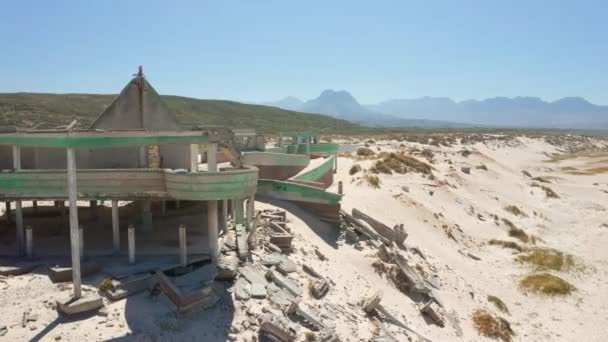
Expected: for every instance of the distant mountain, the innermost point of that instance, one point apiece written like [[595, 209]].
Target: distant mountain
[[342, 105], [288, 103], [569, 112]]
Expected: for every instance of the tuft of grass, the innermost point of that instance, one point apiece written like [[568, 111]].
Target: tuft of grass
[[365, 152], [310, 336], [493, 327], [546, 284], [482, 167], [106, 285], [506, 244], [526, 173], [372, 180], [381, 167], [500, 305], [548, 191], [354, 169], [544, 259], [515, 232], [515, 210], [541, 179]]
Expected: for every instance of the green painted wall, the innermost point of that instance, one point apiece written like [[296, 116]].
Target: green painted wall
[[316, 173], [295, 192]]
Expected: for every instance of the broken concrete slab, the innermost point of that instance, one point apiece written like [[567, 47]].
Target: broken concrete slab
[[363, 228], [258, 291], [432, 310], [286, 266], [242, 289], [18, 268], [282, 298], [370, 303], [272, 329], [284, 283], [320, 288], [73, 306], [227, 266], [182, 300], [393, 235], [282, 240], [59, 274], [308, 269], [253, 274], [130, 286], [271, 259]]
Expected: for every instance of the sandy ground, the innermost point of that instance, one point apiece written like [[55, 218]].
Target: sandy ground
[[454, 202]]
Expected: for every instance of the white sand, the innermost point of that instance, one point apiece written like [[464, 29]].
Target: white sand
[[571, 224]]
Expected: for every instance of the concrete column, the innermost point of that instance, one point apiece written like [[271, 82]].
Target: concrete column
[[146, 215], [143, 157], [308, 146], [28, 242], [131, 238], [233, 209], [249, 211], [212, 157], [81, 241], [35, 205], [194, 158], [340, 188], [163, 207], [280, 143], [18, 210], [93, 209], [183, 252], [19, 225], [7, 211], [212, 228], [239, 216], [336, 162], [224, 215], [74, 236], [115, 227]]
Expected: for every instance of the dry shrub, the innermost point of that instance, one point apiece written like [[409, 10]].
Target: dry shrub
[[541, 179], [365, 152], [354, 169], [546, 284], [400, 163], [548, 191], [506, 244], [515, 210], [372, 180], [428, 154], [310, 336], [548, 259], [493, 327], [526, 173], [106, 285], [465, 153], [482, 167], [500, 305]]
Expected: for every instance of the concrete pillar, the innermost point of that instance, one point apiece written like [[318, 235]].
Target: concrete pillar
[[224, 215], [212, 157], [115, 227], [308, 146], [212, 228], [340, 188], [143, 157], [19, 225], [146, 215], [163, 207], [131, 238], [183, 252], [81, 241], [194, 158], [177, 205], [93, 209], [239, 216], [249, 211], [28, 242], [335, 161], [7, 211], [74, 236], [18, 210]]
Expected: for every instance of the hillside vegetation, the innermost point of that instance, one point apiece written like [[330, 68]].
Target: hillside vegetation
[[30, 109]]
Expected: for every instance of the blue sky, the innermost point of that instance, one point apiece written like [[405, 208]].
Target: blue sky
[[264, 50]]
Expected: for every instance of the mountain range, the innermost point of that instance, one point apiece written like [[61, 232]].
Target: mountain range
[[518, 112]]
